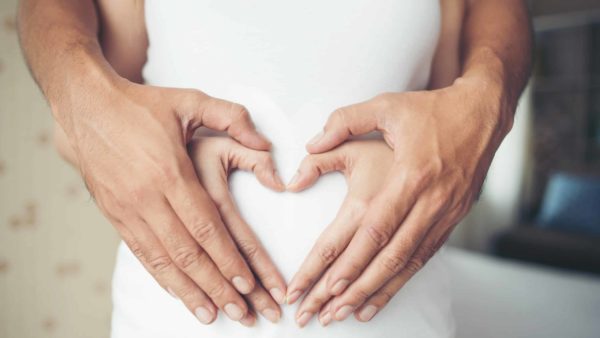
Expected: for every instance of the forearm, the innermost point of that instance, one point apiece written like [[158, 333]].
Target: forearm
[[60, 41], [496, 51], [63, 146]]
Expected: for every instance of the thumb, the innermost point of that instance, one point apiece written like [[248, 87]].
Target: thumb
[[315, 165], [357, 119], [204, 110], [259, 162]]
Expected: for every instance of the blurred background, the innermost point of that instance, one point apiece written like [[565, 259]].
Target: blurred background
[[525, 262]]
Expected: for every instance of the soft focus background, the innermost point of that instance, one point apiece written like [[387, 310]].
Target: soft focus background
[[526, 261]]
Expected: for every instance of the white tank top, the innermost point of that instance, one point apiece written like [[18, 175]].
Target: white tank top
[[291, 63]]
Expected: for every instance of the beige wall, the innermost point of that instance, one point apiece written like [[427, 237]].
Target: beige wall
[[56, 250]]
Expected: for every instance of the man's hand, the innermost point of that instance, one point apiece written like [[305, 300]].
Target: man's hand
[[443, 144], [130, 145], [214, 158]]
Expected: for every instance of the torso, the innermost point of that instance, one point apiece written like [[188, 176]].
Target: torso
[[290, 64]]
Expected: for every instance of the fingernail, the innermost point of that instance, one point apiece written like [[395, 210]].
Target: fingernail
[[233, 311], [340, 286], [204, 315], [241, 284], [170, 291], [294, 179], [304, 318], [325, 319], [271, 315], [248, 321], [343, 312], [367, 313], [316, 138], [278, 295], [293, 297]]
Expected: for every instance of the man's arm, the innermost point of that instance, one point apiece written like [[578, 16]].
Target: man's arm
[[444, 141], [129, 142]]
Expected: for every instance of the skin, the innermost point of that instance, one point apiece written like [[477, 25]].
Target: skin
[[443, 142], [129, 142], [479, 71]]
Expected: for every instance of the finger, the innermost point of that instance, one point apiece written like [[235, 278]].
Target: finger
[[314, 301], [247, 242], [259, 162], [396, 256], [329, 245], [261, 302], [146, 247], [381, 221], [428, 248], [325, 315], [255, 253], [249, 320], [194, 207], [217, 114], [313, 166], [190, 258], [356, 119]]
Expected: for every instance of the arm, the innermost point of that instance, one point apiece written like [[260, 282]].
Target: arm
[[129, 142], [444, 141]]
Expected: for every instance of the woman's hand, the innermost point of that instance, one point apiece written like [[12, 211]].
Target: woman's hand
[[214, 158], [443, 142], [365, 164]]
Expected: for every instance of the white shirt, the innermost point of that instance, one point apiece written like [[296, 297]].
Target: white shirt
[[291, 63]]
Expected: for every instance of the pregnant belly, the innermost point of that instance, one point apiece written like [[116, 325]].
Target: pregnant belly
[[288, 224]]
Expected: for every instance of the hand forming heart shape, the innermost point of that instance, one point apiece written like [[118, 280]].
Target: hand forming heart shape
[[288, 224]]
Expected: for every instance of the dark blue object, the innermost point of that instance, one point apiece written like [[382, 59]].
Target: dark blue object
[[571, 203]]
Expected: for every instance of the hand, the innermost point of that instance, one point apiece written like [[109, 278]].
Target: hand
[[443, 144], [129, 142], [214, 158], [365, 165]]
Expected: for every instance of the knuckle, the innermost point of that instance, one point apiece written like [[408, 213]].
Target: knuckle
[[249, 248], [379, 235], [186, 257], [429, 249], [328, 253], [358, 207], [340, 116], [394, 262], [167, 174], [414, 265], [137, 251], [384, 100], [186, 293], [240, 112], [137, 193], [386, 295], [264, 159], [216, 290], [159, 264], [203, 230], [360, 295]]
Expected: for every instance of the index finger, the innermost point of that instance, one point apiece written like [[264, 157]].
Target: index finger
[[356, 119], [222, 115], [196, 210]]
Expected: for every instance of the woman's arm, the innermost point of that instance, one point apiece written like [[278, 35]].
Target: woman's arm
[[445, 67]]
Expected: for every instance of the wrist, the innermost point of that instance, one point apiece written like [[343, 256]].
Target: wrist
[[84, 75], [485, 81]]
